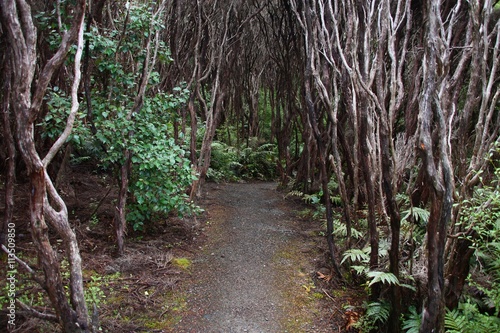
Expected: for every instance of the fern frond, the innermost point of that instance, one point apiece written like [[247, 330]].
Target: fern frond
[[355, 255], [266, 147], [360, 270], [294, 193], [340, 229], [384, 277], [378, 312], [412, 323], [312, 198], [418, 214], [455, 322]]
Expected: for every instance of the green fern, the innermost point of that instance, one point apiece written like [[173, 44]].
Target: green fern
[[356, 255], [360, 270], [340, 229], [383, 277], [313, 199], [419, 214], [455, 322], [294, 193], [376, 313], [411, 324]]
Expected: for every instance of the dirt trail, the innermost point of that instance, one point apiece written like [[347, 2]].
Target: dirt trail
[[251, 275]]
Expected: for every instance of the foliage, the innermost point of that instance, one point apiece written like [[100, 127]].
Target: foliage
[[362, 258], [161, 171], [418, 214], [376, 314], [251, 162], [412, 321], [468, 319], [224, 162], [357, 255], [383, 277], [93, 292], [340, 230], [54, 123], [482, 214], [258, 162]]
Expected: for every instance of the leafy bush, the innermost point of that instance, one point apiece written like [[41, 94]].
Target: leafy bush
[[224, 163], [482, 213], [161, 172], [54, 123], [259, 162]]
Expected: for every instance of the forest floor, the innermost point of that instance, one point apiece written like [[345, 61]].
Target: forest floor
[[249, 263]]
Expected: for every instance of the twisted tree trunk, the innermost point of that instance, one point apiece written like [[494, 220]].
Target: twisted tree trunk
[[46, 206]]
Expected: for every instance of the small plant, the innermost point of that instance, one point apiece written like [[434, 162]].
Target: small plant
[[362, 258], [468, 319], [376, 314], [412, 321], [94, 293]]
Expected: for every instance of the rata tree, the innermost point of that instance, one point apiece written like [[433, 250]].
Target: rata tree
[[48, 212]]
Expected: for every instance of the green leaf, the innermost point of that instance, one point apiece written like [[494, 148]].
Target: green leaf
[[355, 255], [383, 277]]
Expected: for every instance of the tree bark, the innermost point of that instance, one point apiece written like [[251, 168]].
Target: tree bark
[[21, 34], [437, 165], [10, 175]]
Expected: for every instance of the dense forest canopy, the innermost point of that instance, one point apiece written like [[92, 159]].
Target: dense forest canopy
[[385, 114]]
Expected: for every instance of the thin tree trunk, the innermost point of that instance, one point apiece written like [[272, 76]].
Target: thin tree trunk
[[120, 219], [436, 162], [312, 119], [366, 165], [21, 35], [10, 175], [394, 321]]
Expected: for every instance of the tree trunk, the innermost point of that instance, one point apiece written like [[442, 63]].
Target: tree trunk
[[21, 34], [366, 164], [458, 273], [10, 175], [313, 123], [437, 165], [394, 321], [120, 218]]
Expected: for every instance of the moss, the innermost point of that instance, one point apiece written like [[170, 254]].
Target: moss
[[182, 263], [318, 295], [299, 293]]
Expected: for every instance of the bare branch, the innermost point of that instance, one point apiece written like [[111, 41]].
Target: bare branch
[[26, 267], [31, 312], [74, 98]]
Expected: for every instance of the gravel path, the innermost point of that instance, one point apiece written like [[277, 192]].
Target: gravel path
[[238, 278]]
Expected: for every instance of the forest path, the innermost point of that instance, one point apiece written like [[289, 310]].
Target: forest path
[[252, 274]]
